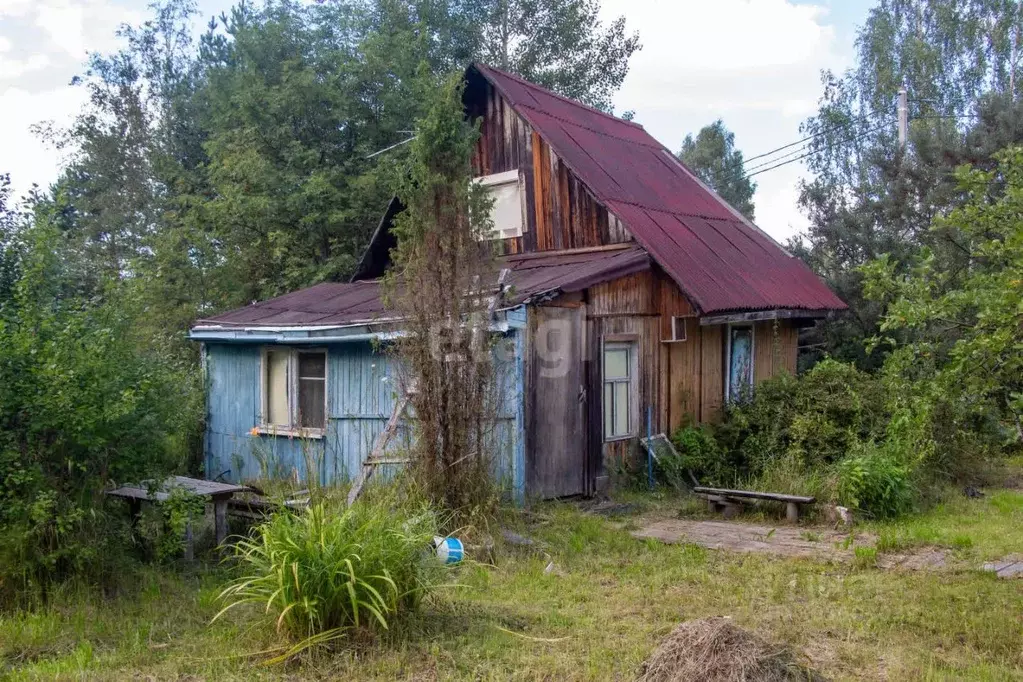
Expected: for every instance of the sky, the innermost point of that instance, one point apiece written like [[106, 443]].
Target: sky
[[753, 63]]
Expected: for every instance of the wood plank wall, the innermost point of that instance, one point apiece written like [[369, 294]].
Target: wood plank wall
[[693, 371], [628, 307], [559, 211]]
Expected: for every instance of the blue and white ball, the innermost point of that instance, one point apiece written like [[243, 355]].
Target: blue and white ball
[[449, 550]]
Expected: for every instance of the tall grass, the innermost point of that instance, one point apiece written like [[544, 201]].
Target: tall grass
[[320, 572]]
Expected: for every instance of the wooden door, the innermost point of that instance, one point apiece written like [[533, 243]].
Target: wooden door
[[559, 465]]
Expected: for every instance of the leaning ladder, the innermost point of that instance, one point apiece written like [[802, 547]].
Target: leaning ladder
[[376, 455]]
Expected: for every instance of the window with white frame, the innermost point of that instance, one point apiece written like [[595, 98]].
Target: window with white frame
[[506, 191], [293, 390], [619, 375], [739, 356]]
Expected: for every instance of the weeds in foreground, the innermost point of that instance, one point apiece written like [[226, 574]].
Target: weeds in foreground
[[329, 569]]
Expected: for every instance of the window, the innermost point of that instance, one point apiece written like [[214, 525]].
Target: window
[[294, 391], [739, 354], [678, 328], [507, 194], [618, 388]]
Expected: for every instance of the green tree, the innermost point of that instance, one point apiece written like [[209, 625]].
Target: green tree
[[560, 44], [8, 239], [442, 263], [959, 63], [958, 333], [86, 399], [713, 157]]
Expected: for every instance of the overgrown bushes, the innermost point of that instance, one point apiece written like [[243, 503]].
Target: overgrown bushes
[[320, 573], [870, 441], [84, 401]]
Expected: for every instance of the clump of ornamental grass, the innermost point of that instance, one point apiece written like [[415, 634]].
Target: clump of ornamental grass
[[320, 573]]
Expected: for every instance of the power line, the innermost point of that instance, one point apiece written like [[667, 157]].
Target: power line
[[798, 154], [813, 151], [805, 139]]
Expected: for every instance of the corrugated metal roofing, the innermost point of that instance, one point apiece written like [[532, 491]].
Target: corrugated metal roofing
[[722, 262], [530, 275]]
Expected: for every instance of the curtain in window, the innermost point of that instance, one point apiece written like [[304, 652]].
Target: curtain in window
[[740, 363], [277, 389]]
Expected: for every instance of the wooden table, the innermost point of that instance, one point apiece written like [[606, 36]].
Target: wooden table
[[218, 493]]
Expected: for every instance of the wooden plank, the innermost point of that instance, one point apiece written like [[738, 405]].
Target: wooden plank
[[763, 315], [753, 494], [378, 447], [712, 379], [196, 486], [559, 419]]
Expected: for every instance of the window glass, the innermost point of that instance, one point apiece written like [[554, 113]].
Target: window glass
[[277, 388], [621, 409], [618, 390], [312, 368], [740, 363], [616, 363]]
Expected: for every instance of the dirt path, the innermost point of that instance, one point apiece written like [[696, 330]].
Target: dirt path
[[786, 541]]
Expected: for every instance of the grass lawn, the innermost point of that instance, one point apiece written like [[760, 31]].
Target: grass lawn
[[597, 616]]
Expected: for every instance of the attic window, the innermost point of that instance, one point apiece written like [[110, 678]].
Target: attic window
[[678, 328], [506, 190]]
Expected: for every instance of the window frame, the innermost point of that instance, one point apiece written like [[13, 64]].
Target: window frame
[[631, 345], [728, 356], [292, 429], [500, 180], [676, 320]]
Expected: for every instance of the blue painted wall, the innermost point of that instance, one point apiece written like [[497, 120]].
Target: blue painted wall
[[360, 399]]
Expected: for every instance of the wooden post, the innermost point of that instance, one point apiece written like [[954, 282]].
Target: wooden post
[[220, 519], [792, 512], [189, 543]]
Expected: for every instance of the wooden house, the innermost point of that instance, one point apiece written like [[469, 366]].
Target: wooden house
[[638, 298]]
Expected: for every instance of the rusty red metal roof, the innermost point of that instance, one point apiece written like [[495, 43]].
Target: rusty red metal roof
[[530, 277], [720, 260]]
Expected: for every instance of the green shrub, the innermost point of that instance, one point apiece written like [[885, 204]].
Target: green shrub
[[698, 455], [320, 572], [86, 399], [815, 419], [874, 481]]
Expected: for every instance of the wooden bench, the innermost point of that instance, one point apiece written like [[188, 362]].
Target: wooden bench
[[729, 501]]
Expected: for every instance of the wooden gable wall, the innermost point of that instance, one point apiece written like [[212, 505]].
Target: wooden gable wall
[[559, 211]]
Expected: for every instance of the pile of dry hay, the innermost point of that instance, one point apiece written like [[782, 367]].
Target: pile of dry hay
[[715, 650]]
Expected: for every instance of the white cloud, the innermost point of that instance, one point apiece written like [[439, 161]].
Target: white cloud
[[74, 27], [27, 158], [753, 63], [15, 68]]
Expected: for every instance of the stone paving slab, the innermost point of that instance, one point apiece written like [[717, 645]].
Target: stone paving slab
[[748, 537], [786, 541], [1007, 567]]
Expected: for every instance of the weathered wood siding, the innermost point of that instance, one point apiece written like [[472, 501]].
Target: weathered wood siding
[[556, 462], [559, 211], [360, 400], [693, 371], [627, 309]]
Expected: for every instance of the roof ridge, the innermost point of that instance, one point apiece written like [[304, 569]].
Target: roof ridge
[[563, 98]]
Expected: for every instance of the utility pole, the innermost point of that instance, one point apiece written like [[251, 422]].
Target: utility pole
[[903, 112]]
